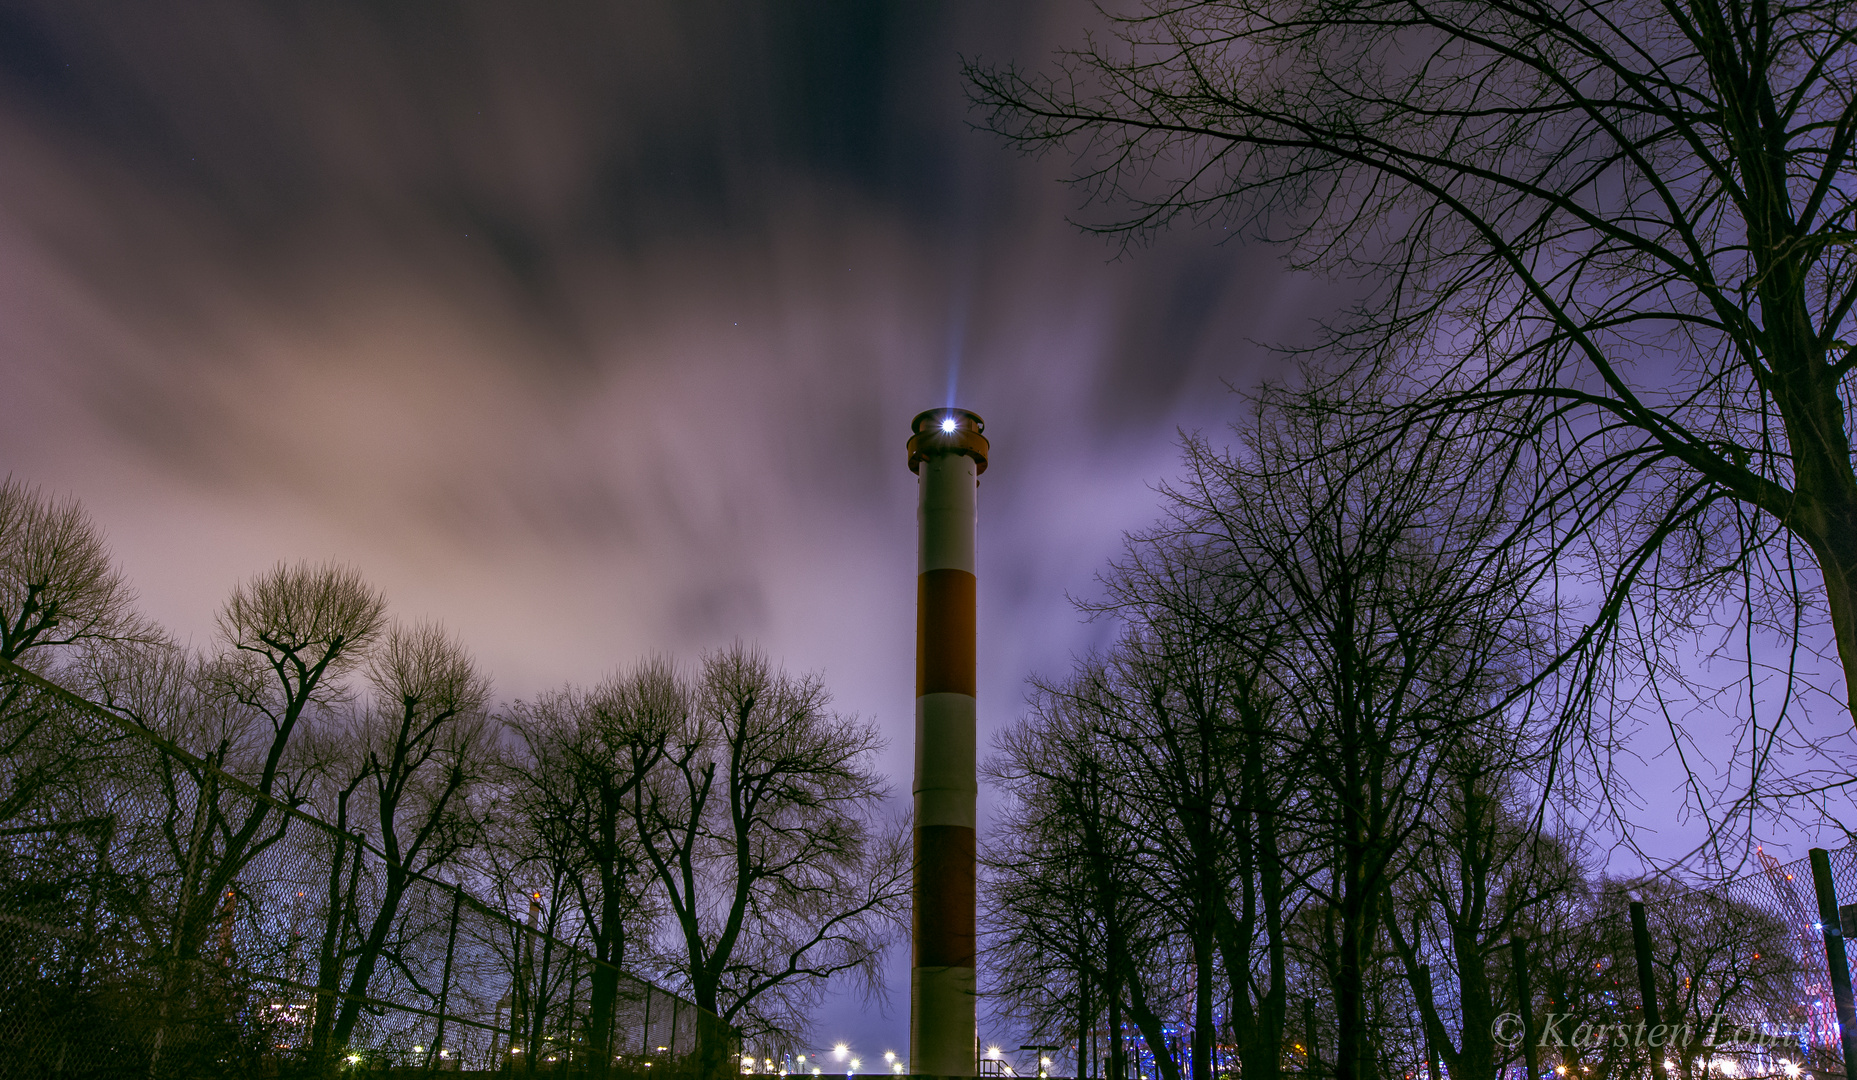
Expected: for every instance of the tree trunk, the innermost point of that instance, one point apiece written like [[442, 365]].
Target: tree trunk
[[369, 955], [609, 951], [1202, 1004], [1118, 1061], [329, 951], [1149, 1025], [1262, 1053], [1837, 561], [1354, 1058], [1478, 1054]]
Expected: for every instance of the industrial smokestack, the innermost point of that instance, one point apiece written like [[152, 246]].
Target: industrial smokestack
[[947, 452]]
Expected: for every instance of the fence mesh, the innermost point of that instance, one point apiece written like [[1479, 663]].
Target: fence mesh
[[1748, 959], [161, 918]]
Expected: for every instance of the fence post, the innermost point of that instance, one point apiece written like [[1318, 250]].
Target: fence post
[[644, 1038], [444, 982], [1835, 959], [1647, 980], [1518, 947], [1312, 1060], [573, 991]]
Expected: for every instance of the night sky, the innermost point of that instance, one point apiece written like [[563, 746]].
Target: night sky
[[593, 330]]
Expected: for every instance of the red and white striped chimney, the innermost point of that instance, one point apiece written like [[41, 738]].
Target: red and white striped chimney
[[947, 452]]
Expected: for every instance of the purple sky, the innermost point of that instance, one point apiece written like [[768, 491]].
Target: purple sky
[[592, 330]]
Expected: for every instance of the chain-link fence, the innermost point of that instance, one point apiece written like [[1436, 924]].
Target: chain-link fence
[[1736, 974], [161, 918], [1745, 964]]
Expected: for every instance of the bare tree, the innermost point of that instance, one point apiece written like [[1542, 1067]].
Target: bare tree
[[338, 770], [1483, 872], [1386, 623], [760, 827], [1077, 921], [532, 861], [1209, 738], [588, 751], [57, 584], [425, 744], [290, 633], [1321, 628], [58, 589], [1628, 227]]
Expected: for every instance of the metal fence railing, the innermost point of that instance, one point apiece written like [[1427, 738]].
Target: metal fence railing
[[161, 918], [1764, 935]]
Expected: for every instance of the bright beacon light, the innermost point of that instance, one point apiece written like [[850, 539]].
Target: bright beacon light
[[948, 424]]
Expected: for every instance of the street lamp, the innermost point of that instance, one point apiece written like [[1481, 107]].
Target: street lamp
[[1044, 1060]]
